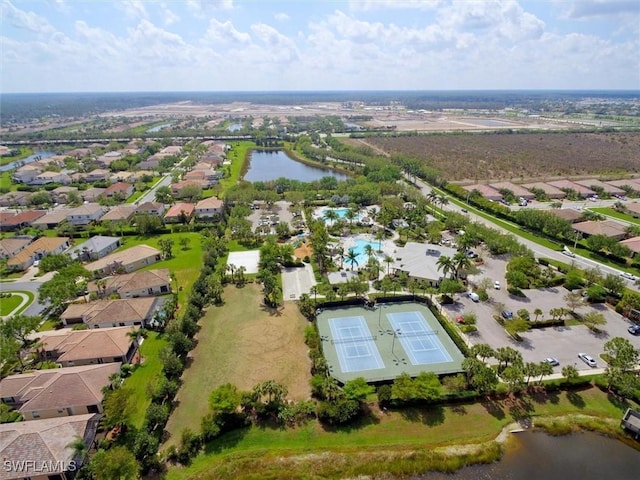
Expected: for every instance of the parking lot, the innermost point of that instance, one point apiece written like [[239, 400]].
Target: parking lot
[[563, 343], [266, 219]]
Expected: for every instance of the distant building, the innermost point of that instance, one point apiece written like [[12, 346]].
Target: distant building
[[126, 312], [419, 261], [551, 192], [486, 191], [125, 261], [566, 185]]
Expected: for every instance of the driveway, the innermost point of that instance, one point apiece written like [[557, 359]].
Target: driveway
[[296, 281]]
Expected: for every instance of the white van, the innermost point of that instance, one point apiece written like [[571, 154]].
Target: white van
[[474, 296]]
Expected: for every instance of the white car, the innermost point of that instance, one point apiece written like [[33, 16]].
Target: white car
[[496, 285], [569, 253], [628, 276], [588, 359]]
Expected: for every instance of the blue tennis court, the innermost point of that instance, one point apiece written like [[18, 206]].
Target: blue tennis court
[[354, 344], [419, 341]]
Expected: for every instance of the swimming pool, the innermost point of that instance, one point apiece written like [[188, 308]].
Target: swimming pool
[[359, 248], [341, 211]]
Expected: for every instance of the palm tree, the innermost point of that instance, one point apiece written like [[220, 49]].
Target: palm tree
[[432, 198], [460, 262], [445, 264], [331, 215], [443, 200], [352, 257], [379, 237], [314, 291], [537, 312], [79, 449], [368, 249], [388, 260]]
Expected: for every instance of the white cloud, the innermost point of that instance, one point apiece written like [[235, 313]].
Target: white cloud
[[584, 9], [278, 46], [365, 5], [282, 17], [169, 17], [224, 33], [200, 7], [25, 20], [133, 9]]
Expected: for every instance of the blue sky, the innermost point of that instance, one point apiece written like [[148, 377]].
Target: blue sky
[[262, 45]]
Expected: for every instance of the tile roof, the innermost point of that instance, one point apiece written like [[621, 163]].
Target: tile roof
[[27, 216], [121, 212], [179, 208], [9, 245], [112, 311], [59, 387], [43, 443], [632, 243], [78, 345], [211, 202], [123, 257], [608, 228], [43, 244], [135, 281]]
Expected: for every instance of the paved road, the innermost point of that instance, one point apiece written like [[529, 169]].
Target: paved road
[[537, 249], [29, 282]]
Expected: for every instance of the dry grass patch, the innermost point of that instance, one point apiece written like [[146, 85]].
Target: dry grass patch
[[243, 343]]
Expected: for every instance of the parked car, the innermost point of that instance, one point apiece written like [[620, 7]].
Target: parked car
[[496, 285], [628, 276], [634, 329], [474, 296], [552, 361], [588, 359], [464, 210], [507, 315]]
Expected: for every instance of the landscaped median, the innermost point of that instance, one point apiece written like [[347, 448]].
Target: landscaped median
[[15, 302], [406, 442]]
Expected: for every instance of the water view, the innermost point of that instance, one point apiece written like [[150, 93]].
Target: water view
[[268, 165], [31, 158], [538, 456]]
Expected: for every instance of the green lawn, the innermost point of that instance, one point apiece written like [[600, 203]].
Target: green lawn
[[387, 438], [237, 156], [24, 153], [610, 212], [145, 376], [8, 304], [511, 227], [5, 182], [185, 264]]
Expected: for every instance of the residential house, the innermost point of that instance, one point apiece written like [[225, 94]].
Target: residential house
[[107, 159], [121, 212], [150, 163], [144, 283], [61, 194], [552, 193], [94, 248], [92, 194], [79, 153], [35, 251], [606, 188], [15, 199], [567, 185], [139, 176], [209, 208], [633, 209], [21, 220], [71, 348], [47, 177], [180, 213], [568, 214], [13, 245], [151, 208], [41, 447], [119, 190], [632, 244], [97, 175], [420, 261], [176, 188], [27, 173], [607, 228], [485, 190], [125, 261], [629, 183], [122, 176], [125, 312], [52, 219], [58, 392], [170, 150], [517, 190], [85, 214]]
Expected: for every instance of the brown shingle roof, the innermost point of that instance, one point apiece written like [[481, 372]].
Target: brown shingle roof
[[135, 281], [60, 387], [123, 257], [27, 216], [43, 443], [608, 228], [112, 311], [180, 208], [43, 244], [79, 345]]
